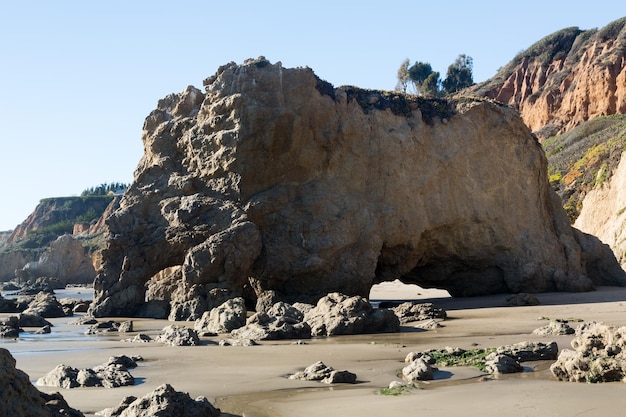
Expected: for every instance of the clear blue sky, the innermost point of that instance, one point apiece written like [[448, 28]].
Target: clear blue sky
[[77, 78]]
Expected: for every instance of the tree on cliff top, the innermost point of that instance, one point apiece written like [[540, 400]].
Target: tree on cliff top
[[426, 82]]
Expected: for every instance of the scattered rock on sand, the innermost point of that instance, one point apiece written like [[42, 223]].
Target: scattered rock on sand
[[9, 328], [281, 321], [554, 328], [530, 351], [320, 372], [338, 314], [419, 370], [19, 398], [45, 305], [175, 335], [139, 338], [599, 355], [412, 311], [498, 363], [32, 320], [7, 305], [225, 318], [109, 326], [164, 401], [522, 299], [111, 374]]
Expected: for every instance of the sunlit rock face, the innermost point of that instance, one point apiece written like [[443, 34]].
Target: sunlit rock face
[[272, 179]]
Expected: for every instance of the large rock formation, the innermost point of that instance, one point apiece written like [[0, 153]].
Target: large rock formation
[[565, 79], [274, 180]]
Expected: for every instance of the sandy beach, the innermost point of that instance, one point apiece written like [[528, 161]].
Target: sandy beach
[[252, 381]]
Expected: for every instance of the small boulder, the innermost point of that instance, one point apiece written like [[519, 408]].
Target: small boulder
[[554, 328], [164, 401], [496, 363], [418, 370], [412, 311], [326, 374], [522, 299], [175, 335], [225, 318], [45, 305]]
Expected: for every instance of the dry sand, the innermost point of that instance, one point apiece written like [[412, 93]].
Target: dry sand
[[252, 381]]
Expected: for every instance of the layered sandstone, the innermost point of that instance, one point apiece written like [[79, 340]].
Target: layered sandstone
[[565, 79], [274, 180]]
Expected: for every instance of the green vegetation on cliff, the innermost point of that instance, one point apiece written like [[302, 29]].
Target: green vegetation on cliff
[[584, 158], [57, 216]]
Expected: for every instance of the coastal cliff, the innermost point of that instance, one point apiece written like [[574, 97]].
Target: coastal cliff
[[272, 179], [565, 79]]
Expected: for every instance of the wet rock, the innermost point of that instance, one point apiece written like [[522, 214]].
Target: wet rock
[[109, 326], [497, 363], [412, 311], [19, 398], [237, 342], [412, 356], [164, 401], [175, 335], [530, 351]]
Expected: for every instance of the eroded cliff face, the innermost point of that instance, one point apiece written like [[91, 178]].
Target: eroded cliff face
[[565, 79], [604, 212], [274, 180]]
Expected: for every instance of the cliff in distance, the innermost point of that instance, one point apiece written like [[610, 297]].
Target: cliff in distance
[[565, 79], [273, 179]]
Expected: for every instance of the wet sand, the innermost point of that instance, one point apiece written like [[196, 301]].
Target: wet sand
[[252, 381]]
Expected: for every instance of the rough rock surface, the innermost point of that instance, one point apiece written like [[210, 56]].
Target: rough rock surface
[[566, 78], [111, 374], [45, 305], [412, 311], [175, 335], [326, 374], [225, 318], [554, 328], [339, 314], [274, 180], [419, 369], [281, 321], [598, 355], [164, 401], [65, 259], [19, 398]]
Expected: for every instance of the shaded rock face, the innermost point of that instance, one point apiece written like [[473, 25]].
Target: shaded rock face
[[20, 398], [274, 180], [565, 79]]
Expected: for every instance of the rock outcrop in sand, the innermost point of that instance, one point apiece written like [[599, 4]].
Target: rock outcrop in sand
[[274, 180], [565, 79]]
